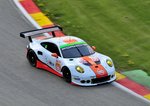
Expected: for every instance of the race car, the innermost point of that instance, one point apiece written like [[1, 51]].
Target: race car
[[69, 57]]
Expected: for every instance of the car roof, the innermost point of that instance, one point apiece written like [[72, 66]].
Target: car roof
[[61, 41]]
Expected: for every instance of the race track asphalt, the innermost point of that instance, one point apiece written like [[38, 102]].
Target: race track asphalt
[[23, 85]]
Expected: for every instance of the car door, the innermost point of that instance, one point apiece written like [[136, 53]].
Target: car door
[[53, 62]]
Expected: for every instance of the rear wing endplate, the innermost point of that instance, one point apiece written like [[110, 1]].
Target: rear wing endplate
[[40, 31]]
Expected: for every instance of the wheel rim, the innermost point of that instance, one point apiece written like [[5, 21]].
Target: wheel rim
[[67, 76], [32, 59]]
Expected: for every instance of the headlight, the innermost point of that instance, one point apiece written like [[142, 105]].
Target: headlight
[[79, 69], [109, 62]]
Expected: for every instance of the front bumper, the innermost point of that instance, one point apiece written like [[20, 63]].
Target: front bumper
[[91, 81]]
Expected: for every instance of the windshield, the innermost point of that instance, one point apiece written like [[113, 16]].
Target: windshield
[[77, 51]]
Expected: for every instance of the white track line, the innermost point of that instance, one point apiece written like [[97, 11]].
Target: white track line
[[39, 27], [25, 13]]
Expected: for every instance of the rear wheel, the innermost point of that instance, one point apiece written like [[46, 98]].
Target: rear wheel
[[31, 56], [67, 75]]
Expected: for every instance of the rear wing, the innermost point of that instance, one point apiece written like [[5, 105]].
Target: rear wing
[[40, 31]]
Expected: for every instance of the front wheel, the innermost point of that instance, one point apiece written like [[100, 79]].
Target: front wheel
[[31, 56], [67, 75]]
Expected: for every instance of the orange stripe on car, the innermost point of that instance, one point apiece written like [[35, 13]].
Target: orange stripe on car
[[99, 70]]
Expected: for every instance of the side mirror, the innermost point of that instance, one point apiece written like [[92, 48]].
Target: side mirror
[[55, 55], [93, 47]]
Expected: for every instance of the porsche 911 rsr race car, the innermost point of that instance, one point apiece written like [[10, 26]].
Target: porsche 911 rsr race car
[[68, 57]]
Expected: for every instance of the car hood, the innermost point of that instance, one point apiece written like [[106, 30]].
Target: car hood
[[91, 63], [84, 61]]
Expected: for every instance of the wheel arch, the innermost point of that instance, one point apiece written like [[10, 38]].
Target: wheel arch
[[64, 68], [30, 53], [28, 50], [66, 74]]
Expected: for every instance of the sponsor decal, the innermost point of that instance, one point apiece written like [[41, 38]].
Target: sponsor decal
[[95, 59], [58, 65], [76, 78], [100, 72], [69, 40], [48, 61], [51, 63], [72, 44]]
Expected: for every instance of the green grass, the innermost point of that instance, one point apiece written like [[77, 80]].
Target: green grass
[[118, 28]]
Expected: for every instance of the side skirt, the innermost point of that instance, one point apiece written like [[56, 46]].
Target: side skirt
[[42, 65]]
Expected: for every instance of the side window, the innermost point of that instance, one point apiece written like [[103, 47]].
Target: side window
[[51, 47]]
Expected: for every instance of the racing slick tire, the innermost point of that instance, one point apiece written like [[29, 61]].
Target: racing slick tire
[[67, 75], [32, 58]]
